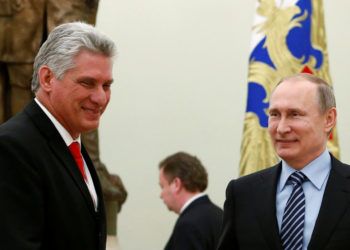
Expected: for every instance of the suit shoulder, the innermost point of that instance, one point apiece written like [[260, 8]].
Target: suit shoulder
[[254, 177], [200, 214], [340, 167], [17, 125], [18, 131], [201, 211]]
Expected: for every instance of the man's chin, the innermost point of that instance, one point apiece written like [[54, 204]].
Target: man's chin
[[90, 126], [285, 154], [170, 209], [92, 117]]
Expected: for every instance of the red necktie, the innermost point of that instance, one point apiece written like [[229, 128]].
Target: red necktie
[[75, 151]]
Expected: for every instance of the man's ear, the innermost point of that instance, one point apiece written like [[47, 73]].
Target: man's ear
[[330, 119], [177, 184], [45, 78]]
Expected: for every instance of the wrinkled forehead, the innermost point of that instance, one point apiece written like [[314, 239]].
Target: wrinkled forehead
[[295, 83], [294, 93], [294, 87]]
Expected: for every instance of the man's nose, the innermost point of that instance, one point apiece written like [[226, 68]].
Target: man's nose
[[100, 96], [283, 126]]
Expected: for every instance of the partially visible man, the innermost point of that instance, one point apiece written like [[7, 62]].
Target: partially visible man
[[52, 198], [303, 201], [24, 25], [183, 179]]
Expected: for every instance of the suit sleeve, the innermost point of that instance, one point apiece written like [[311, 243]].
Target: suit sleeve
[[21, 208], [228, 239]]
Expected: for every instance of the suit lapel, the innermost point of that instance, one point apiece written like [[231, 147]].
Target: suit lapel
[[266, 206], [334, 204], [58, 148], [62, 153]]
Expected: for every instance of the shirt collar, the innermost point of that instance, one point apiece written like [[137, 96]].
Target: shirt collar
[[189, 201], [316, 171], [61, 130]]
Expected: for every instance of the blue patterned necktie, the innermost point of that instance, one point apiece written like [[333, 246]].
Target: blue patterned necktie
[[294, 213]]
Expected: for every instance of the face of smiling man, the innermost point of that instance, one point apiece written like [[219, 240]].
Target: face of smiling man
[[78, 100], [298, 129]]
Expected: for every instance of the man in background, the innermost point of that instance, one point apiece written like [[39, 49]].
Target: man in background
[[303, 201], [183, 180], [52, 198]]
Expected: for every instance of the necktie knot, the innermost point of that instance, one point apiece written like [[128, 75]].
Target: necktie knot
[[74, 148], [297, 178]]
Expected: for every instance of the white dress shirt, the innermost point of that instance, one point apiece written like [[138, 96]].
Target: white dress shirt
[[189, 201], [317, 173], [68, 140]]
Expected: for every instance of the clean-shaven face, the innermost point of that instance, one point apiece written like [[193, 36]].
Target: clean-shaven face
[[81, 96], [296, 125]]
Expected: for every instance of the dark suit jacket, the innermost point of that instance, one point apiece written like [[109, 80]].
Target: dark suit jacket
[[45, 203], [250, 212], [198, 227]]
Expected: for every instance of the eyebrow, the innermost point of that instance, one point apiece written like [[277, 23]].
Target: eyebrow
[[288, 110], [92, 79], [110, 81]]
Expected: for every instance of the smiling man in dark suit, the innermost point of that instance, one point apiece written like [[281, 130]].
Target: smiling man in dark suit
[[51, 196], [303, 201], [183, 179]]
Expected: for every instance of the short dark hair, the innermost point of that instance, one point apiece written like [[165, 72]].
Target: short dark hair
[[187, 168]]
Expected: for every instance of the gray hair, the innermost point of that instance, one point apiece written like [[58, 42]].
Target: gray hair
[[64, 43], [325, 94]]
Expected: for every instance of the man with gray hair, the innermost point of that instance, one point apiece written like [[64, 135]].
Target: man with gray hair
[[51, 196]]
